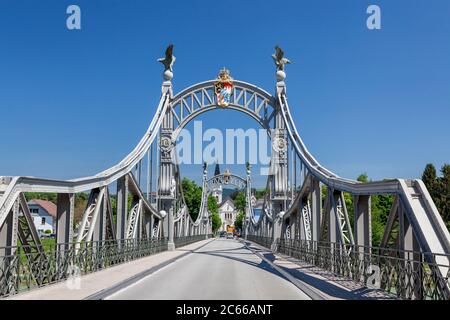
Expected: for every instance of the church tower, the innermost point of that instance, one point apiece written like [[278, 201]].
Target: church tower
[[217, 189]]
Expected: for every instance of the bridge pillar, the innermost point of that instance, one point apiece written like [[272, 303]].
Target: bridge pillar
[[332, 217], [316, 209], [147, 224], [100, 225], [122, 207], [170, 233], [8, 244], [300, 232], [279, 171], [64, 220], [412, 259], [8, 232], [363, 230], [277, 223], [167, 182]]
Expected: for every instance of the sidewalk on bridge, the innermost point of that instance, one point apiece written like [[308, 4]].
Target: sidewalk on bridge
[[325, 283], [101, 280]]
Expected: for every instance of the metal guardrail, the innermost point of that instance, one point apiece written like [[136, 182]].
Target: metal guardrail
[[263, 241], [184, 241], [21, 271], [402, 273]]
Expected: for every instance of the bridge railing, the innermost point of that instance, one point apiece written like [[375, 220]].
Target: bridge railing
[[263, 241], [184, 241], [22, 269], [402, 273]]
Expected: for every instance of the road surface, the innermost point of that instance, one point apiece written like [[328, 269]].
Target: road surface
[[221, 270]]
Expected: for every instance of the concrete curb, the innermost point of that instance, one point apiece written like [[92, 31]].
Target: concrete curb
[[311, 292], [102, 294]]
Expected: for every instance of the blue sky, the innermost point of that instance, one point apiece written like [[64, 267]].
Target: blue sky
[[73, 103]]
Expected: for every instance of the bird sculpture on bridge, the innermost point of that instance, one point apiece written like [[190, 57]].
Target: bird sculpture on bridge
[[279, 59], [169, 59]]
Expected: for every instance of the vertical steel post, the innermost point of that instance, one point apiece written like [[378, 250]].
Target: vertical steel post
[[64, 219], [363, 230], [122, 207], [316, 209]]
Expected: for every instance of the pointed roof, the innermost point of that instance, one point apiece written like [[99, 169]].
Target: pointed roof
[[227, 199], [217, 169]]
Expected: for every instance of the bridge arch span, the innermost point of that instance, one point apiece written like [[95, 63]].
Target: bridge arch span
[[200, 98]]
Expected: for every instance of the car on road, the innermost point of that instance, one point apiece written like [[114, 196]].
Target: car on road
[[230, 235], [222, 234]]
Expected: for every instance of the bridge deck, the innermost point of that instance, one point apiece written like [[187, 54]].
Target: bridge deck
[[210, 269], [223, 269], [93, 283]]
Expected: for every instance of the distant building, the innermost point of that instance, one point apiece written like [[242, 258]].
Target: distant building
[[44, 215], [227, 207], [227, 212], [217, 188]]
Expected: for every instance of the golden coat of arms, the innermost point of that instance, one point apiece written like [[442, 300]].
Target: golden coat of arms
[[223, 88]]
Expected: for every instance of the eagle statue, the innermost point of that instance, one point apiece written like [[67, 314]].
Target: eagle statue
[[279, 59], [169, 59]]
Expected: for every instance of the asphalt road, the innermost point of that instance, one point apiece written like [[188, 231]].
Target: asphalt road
[[221, 270]]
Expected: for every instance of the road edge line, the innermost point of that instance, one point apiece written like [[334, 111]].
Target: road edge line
[[102, 294]]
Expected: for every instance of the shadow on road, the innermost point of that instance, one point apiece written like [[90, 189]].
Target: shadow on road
[[324, 285]]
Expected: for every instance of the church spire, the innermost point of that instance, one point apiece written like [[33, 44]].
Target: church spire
[[217, 169]]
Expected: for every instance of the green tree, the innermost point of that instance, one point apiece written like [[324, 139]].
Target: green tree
[[431, 181], [443, 194], [439, 188], [363, 177], [380, 207], [192, 196], [213, 209], [260, 193], [240, 201], [239, 220], [41, 196]]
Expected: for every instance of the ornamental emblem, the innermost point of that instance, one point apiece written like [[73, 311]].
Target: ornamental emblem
[[223, 88], [165, 144], [226, 176], [279, 145]]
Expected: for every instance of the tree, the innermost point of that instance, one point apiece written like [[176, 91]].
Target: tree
[[216, 222], [439, 188], [51, 196], [431, 181], [213, 209], [239, 220], [193, 197], [363, 177], [380, 207], [443, 194], [240, 202], [260, 193]]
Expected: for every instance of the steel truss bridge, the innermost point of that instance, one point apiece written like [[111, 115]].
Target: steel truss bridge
[[304, 212]]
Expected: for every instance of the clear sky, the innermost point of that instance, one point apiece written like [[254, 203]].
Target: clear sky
[[73, 103]]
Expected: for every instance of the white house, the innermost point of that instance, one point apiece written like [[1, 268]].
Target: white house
[[227, 212], [227, 208], [44, 215]]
